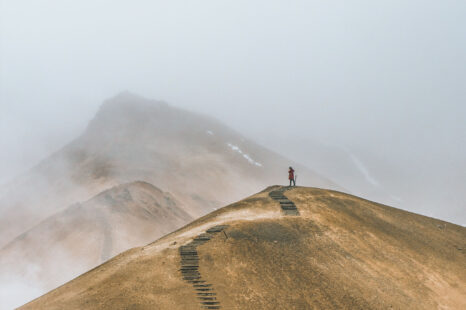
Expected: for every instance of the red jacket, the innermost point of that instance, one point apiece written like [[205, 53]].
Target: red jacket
[[291, 174]]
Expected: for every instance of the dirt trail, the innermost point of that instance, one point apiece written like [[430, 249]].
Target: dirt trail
[[190, 258], [288, 207], [190, 268]]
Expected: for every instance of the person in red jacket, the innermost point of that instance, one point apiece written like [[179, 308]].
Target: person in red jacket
[[291, 176]]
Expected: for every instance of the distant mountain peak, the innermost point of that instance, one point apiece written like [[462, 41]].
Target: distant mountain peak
[[127, 101], [126, 108], [131, 115]]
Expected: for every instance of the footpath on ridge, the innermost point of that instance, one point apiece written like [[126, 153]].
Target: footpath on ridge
[[288, 207], [190, 257], [190, 268]]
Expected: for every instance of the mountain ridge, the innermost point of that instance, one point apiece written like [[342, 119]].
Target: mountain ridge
[[196, 158], [86, 234], [200, 162]]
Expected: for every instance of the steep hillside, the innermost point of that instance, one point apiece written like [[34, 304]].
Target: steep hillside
[[87, 234], [203, 163], [303, 248]]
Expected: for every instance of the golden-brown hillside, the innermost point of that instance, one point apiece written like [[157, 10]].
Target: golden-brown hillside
[[336, 251]]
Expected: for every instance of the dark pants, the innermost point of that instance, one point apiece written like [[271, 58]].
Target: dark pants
[[294, 183]]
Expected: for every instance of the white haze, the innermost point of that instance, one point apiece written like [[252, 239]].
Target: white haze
[[380, 82], [14, 292], [386, 77]]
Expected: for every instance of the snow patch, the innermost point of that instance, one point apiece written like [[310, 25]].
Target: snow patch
[[246, 156], [209, 132]]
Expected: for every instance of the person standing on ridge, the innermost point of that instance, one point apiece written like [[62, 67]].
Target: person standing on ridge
[[291, 176]]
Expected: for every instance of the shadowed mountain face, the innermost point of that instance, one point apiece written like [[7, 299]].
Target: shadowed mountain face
[[197, 159], [85, 235], [336, 252]]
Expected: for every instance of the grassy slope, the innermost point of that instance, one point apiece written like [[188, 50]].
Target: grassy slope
[[342, 252]]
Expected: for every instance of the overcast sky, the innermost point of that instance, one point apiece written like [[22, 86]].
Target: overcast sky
[[386, 77]]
